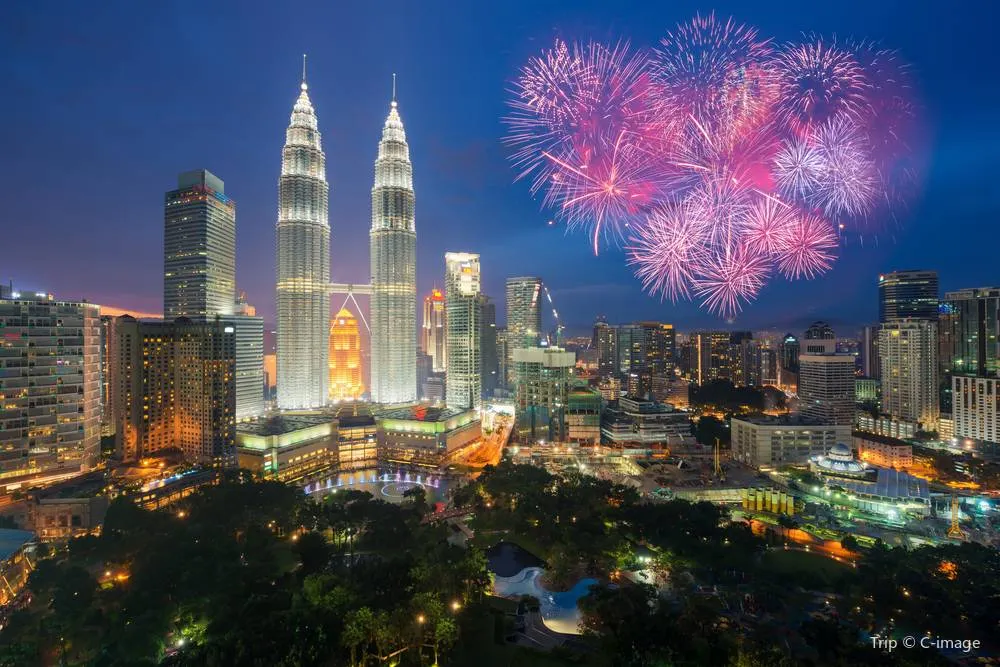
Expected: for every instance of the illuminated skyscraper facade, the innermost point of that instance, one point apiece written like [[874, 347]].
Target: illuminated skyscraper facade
[[432, 333], [345, 357], [50, 386], [303, 262], [175, 388], [394, 269], [199, 248], [463, 382], [524, 316]]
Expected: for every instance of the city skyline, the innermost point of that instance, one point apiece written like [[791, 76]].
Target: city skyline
[[460, 162]]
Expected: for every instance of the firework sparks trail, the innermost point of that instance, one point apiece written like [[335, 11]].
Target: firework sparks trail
[[667, 251], [810, 249], [729, 159]]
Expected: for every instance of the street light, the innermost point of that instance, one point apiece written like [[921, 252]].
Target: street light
[[456, 605], [420, 619]]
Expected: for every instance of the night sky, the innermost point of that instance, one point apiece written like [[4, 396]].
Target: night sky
[[103, 103]]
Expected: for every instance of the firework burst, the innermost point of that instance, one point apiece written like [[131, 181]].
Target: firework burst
[[667, 250], [728, 281], [766, 225], [810, 248], [798, 167], [727, 158], [817, 81], [848, 181]]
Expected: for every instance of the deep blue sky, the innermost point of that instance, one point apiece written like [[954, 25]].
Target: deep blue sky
[[102, 103]]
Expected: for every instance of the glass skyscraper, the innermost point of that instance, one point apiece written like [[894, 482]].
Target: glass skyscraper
[[463, 381], [524, 316], [394, 269], [908, 294], [199, 248], [303, 263]]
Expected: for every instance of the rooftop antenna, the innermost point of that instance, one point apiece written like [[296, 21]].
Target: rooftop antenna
[[304, 72], [393, 89]]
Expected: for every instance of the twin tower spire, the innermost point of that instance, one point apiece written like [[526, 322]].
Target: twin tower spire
[[303, 275]]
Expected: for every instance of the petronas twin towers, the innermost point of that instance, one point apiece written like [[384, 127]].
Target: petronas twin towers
[[304, 265]]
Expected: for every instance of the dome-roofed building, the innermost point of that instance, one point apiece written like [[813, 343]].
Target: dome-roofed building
[[839, 461]]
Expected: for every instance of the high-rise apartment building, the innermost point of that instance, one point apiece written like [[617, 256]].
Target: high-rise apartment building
[[976, 407], [826, 388], [488, 345], [303, 233], [394, 268], [908, 350], [543, 376], [199, 248], [524, 316], [463, 381], [908, 294], [605, 341], [345, 357], [432, 333], [50, 386], [175, 388]]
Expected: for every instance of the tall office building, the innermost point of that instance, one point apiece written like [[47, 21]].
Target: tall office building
[[712, 356], [303, 262], [249, 341], [503, 370], [908, 294], [605, 341], [488, 345], [870, 365], [394, 268], [970, 332], [630, 347], [199, 248], [345, 357], [432, 333], [50, 386], [542, 383], [908, 350], [820, 339], [826, 388], [524, 316], [175, 389], [463, 381]]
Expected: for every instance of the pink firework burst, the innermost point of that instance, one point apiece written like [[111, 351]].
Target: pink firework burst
[[848, 182], [810, 250], [719, 203], [667, 250], [818, 80], [731, 279], [798, 167], [604, 189], [766, 225], [729, 160], [699, 60]]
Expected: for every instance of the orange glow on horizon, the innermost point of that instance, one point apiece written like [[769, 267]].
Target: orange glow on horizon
[[113, 311]]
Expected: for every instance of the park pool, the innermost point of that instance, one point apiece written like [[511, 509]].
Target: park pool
[[559, 610]]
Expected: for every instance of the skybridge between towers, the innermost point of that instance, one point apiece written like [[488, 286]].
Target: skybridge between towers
[[350, 289]]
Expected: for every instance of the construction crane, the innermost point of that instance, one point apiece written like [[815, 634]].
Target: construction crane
[[555, 315]]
